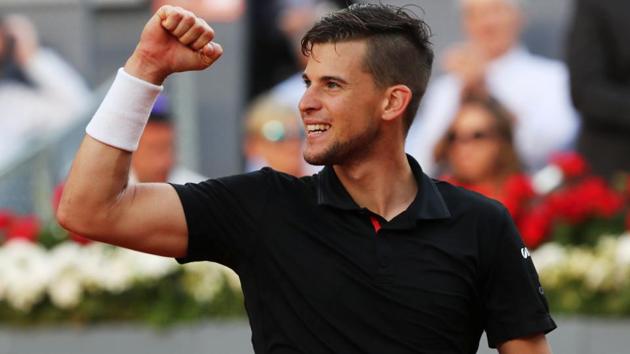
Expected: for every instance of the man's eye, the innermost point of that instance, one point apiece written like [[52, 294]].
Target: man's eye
[[332, 85]]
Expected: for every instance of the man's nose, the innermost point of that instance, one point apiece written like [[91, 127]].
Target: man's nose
[[310, 101]]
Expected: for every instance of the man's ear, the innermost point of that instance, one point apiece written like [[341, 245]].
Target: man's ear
[[396, 101]]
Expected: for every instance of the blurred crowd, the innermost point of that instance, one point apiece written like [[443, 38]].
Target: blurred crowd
[[498, 118], [494, 113], [39, 92], [549, 139]]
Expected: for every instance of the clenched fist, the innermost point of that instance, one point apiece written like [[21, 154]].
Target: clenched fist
[[174, 40]]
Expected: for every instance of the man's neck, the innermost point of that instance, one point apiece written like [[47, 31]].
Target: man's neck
[[384, 184]]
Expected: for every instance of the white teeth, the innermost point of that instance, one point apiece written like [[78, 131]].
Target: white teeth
[[317, 127]]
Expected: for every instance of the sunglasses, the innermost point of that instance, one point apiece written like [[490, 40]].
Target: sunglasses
[[275, 131], [476, 136]]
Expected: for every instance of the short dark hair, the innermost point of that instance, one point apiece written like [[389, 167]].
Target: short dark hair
[[398, 46]]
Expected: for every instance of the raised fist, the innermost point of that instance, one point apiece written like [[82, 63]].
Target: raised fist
[[467, 62], [174, 40]]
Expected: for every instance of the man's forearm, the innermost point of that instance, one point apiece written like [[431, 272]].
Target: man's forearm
[[97, 201], [100, 171], [98, 177]]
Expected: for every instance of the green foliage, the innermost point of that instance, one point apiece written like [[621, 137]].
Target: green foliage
[[589, 231]]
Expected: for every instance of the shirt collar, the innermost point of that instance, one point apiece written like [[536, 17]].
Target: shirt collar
[[428, 204]]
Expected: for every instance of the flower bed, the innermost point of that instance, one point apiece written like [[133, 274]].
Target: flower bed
[[587, 280], [96, 283], [48, 276], [569, 205]]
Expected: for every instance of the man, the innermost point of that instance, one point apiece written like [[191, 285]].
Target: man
[[368, 256], [493, 60], [599, 62]]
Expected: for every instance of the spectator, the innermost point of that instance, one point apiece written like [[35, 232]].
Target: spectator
[[493, 60], [155, 160], [478, 153], [273, 137], [39, 92], [599, 63]]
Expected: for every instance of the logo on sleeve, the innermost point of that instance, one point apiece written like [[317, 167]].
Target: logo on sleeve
[[525, 252]]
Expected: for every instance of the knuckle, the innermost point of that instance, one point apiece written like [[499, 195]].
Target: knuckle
[[207, 36], [189, 21], [177, 16], [197, 28]]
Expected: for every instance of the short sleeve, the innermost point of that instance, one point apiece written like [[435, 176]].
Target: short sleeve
[[513, 299], [222, 216]]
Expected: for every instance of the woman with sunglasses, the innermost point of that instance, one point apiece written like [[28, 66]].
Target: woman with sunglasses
[[478, 153]]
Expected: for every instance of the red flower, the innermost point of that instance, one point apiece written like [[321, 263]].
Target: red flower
[[517, 192], [571, 164], [6, 218], [25, 228], [535, 226], [602, 200], [591, 197]]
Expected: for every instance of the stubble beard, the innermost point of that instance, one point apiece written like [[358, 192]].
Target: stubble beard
[[343, 152]]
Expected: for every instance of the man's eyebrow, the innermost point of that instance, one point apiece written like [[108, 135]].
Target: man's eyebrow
[[333, 78], [326, 78]]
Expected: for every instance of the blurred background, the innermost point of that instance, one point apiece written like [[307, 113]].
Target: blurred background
[[529, 104]]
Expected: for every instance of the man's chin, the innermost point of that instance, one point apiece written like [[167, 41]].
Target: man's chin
[[316, 159]]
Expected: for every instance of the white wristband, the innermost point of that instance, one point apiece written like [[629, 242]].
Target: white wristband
[[121, 117]]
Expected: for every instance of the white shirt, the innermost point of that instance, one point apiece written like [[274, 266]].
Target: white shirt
[[26, 113], [533, 88]]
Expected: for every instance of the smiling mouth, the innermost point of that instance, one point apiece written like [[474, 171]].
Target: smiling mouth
[[316, 129]]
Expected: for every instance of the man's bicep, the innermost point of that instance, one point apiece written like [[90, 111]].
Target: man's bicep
[[149, 217], [530, 345]]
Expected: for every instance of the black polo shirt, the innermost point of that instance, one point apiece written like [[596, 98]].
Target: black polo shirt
[[318, 278]]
